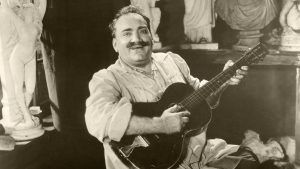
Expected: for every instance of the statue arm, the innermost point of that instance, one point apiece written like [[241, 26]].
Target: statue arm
[[41, 6], [294, 17], [5, 29], [284, 12], [17, 21]]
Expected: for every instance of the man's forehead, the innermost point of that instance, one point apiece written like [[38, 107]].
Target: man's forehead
[[11, 1], [129, 21]]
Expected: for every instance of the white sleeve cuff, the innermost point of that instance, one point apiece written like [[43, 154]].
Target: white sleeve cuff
[[120, 120]]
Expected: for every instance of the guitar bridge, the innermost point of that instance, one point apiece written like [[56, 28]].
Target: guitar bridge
[[139, 141]]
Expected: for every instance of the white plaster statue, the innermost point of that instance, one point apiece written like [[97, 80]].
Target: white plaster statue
[[199, 19], [290, 14], [290, 21], [152, 12], [8, 39], [248, 16], [20, 36]]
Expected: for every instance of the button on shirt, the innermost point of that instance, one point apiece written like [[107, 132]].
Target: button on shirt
[[108, 109]]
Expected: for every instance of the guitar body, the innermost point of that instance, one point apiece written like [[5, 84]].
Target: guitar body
[[160, 150]]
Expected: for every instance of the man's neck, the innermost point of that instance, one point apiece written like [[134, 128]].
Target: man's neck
[[147, 68]]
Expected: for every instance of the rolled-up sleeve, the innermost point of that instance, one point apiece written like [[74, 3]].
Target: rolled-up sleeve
[[107, 113]]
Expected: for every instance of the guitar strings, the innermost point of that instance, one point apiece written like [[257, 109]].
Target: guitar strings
[[217, 81]]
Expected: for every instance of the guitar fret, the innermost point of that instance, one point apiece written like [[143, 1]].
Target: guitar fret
[[206, 91], [210, 88]]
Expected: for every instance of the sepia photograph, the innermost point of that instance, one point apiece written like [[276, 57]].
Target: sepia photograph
[[150, 84]]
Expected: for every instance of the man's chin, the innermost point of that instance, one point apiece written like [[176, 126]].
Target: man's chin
[[141, 60], [140, 54]]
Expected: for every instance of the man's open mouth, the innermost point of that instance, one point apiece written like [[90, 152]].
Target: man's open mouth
[[137, 47]]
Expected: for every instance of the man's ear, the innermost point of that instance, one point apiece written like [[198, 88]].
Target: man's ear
[[152, 39], [114, 43]]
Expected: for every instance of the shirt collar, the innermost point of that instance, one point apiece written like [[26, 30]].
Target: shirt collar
[[129, 68]]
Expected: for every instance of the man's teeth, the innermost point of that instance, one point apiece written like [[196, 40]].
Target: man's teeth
[[136, 47]]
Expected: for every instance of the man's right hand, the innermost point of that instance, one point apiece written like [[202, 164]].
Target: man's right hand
[[174, 120]]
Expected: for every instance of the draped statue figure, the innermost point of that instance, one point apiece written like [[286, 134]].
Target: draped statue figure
[[20, 30], [199, 19], [290, 21], [247, 16]]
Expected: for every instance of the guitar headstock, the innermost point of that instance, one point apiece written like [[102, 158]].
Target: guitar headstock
[[257, 53]]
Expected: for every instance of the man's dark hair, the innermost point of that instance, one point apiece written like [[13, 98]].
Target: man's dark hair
[[124, 11]]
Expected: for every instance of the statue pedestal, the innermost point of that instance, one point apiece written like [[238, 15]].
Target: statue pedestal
[[290, 40], [247, 39], [24, 136], [204, 46], [21, 134]]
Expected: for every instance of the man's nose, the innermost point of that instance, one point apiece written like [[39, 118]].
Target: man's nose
[[136, 37]]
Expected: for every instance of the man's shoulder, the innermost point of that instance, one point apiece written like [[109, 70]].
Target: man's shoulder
[[100, 73], [107, 72], [162, 56]]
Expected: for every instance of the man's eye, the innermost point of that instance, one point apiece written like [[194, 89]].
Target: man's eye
[[144, 31], [126, 34]]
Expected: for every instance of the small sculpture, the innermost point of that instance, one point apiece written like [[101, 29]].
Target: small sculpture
[[290, 21], [247, 16], [154, 14], [20, 35], [263, 151], [199, 19]]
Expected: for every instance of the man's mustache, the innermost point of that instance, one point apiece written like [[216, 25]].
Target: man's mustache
[[140, 43]]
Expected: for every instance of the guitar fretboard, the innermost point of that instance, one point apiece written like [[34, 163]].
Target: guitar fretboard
[[251, 56]]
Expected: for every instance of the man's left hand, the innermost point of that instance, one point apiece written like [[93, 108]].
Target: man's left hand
[[240, 73]]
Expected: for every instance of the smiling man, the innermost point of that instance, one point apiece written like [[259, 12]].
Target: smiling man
[[132, 40], [139, 75]]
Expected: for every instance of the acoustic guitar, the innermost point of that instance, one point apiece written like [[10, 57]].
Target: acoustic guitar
[[162, 151]]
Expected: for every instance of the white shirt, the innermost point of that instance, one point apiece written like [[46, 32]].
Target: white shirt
[[108, 109]]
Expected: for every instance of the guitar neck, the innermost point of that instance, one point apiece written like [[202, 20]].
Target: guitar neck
[[215, 83]]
